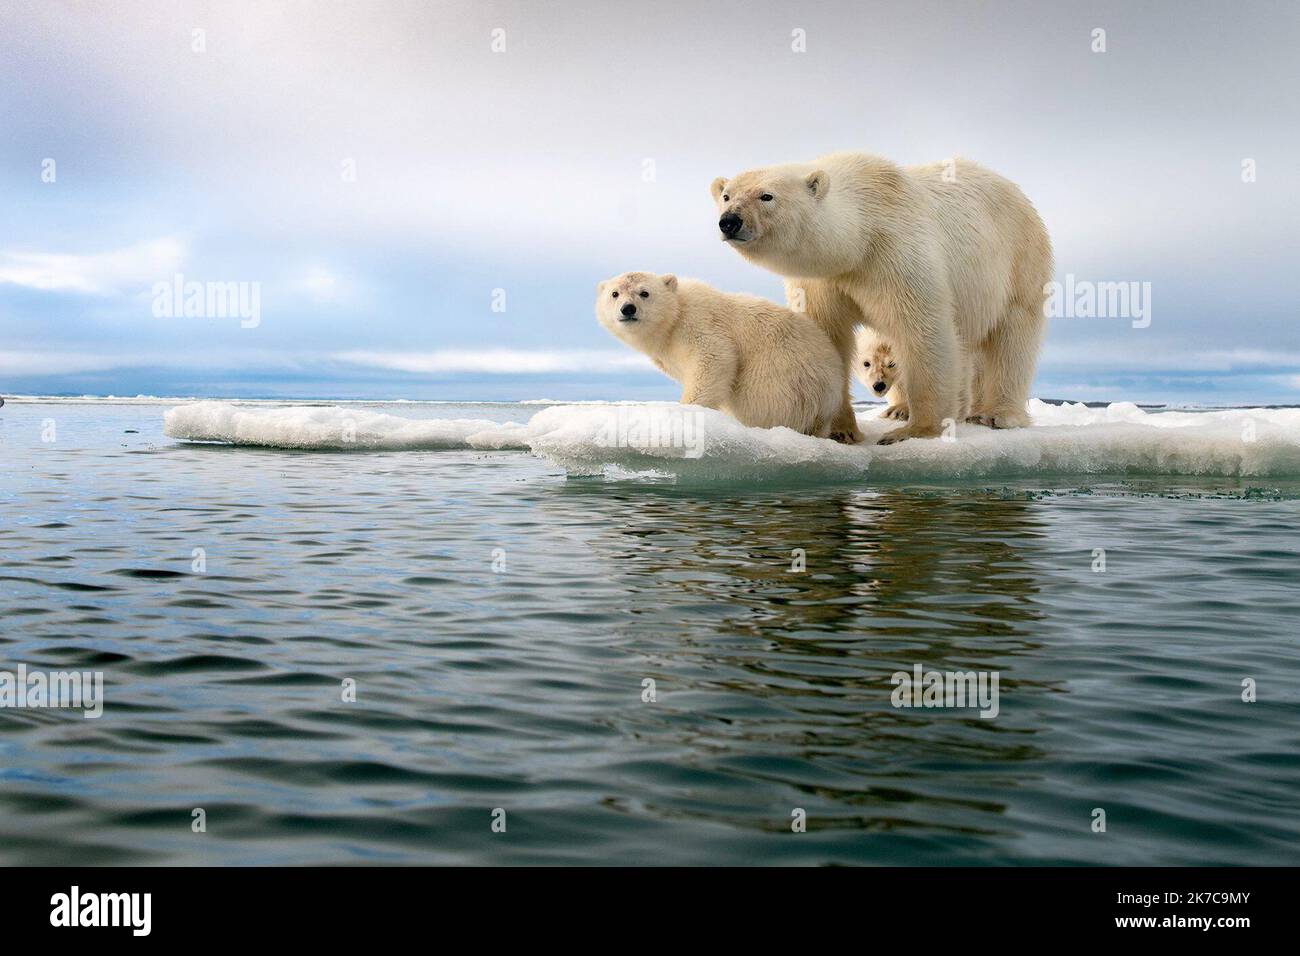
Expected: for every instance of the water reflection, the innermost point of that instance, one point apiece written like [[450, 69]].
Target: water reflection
[[887, 563], [782, 676]]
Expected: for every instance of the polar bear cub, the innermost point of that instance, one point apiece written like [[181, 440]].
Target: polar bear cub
[[755, 360], [878, 366]]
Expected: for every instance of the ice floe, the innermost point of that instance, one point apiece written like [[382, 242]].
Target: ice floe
[[689, 443]]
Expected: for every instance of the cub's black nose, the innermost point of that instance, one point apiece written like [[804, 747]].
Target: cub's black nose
[[730, 224], [879, 386], [629, 310]]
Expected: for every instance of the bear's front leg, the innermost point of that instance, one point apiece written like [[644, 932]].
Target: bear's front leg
[[922, 326], [710, 382], [929, 426], [897, 407], [844, 427], [692, 394], [836, 313]]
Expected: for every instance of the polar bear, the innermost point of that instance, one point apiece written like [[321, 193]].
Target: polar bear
[[749, 357], [876, 366], [932, 256]]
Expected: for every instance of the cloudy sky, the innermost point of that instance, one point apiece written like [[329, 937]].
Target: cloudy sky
[[425, 216]]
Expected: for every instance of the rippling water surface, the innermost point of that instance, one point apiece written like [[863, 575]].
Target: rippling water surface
[[520, 686]]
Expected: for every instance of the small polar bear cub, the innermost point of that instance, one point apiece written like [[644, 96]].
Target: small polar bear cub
[[761, 363], [878, 366]]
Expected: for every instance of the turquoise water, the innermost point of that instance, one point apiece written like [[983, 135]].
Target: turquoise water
[[499, 621]]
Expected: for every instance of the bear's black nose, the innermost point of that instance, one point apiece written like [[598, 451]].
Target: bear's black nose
[[730, 224], [879, 386], [629, 310]]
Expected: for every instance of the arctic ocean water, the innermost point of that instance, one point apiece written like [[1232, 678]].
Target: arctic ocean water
[[502, 621]]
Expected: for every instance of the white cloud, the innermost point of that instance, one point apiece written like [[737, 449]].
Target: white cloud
[[1229, 360], [99, 273], [1160, 355], [1078, 391], [319, 284], [26, 362], [20, 363], [500, 361]]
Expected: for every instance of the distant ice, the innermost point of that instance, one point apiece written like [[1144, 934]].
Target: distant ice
[[698, 444], [97, 399]]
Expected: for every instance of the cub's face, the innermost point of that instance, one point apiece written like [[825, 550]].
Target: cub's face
[[876, 366], [637, 304], [766, 214]]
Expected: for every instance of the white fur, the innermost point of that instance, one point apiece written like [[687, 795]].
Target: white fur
[[937, 258], [749, 357]]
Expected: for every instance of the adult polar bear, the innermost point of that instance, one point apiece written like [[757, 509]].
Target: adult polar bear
[[932, 256]]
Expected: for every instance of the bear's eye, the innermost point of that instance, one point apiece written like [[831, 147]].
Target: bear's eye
[[645, 294], [615, 295], [726, 198], [891, 364], [866, 365], [766, 197]]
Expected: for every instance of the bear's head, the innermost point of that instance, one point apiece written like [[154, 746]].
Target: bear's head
[[775, 217], [637, 306], [876, 365]]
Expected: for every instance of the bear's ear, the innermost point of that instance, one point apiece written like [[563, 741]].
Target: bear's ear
[[601, 284], [818, 183], [717, 186], [671, 282]]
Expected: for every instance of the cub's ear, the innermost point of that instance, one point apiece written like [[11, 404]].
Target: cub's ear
[[601, 284], [671, 282], [717, 186], [818, 183]]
